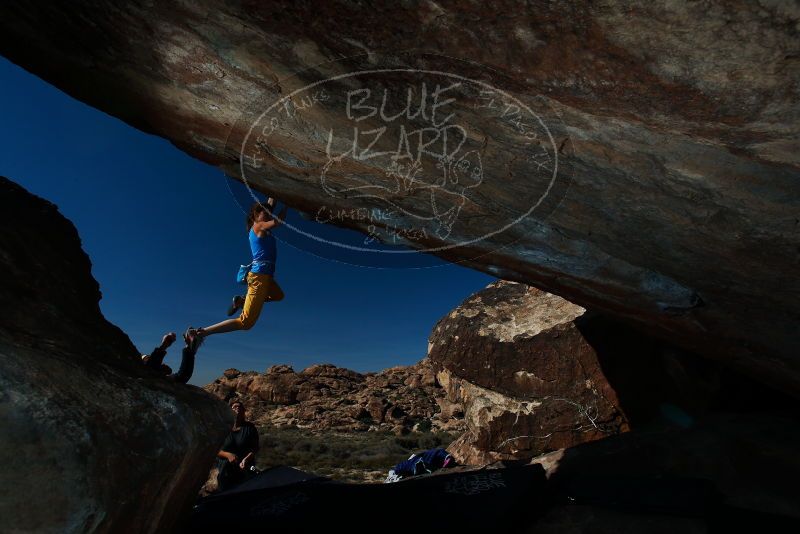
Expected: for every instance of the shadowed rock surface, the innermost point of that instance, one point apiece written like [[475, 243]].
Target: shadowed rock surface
[[723, 473], [91, 441], [675, 127]]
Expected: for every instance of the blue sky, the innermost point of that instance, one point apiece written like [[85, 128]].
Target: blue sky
[[165, 236]]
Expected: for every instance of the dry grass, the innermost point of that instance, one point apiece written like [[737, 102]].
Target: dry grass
[[350, 457]]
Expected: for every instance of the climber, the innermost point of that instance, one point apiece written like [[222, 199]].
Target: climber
[[236, 456], [261, 284]]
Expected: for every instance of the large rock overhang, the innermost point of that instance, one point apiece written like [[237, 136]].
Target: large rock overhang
[[676, 128]]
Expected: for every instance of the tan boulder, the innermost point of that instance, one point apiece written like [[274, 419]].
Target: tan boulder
[[525, 376]]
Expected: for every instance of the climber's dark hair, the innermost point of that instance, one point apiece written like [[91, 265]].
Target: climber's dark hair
[[255, 209], [236, 400]]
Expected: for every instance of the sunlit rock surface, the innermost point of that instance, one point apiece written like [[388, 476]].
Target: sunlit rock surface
[[526, 376], [325, 398]]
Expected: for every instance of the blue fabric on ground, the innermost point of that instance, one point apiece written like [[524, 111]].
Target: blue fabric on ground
[[424, 462]]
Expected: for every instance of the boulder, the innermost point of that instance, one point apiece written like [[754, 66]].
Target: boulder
[[376, 406], [533, 372], [281, 388], [527, 378], [331, 371], [91, 441], [280, 369], [673, 205], [232, 373]]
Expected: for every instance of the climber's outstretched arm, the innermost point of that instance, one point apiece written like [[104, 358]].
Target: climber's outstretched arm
[[274, 222]]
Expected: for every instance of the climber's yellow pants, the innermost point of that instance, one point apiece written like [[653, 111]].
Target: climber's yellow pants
[[260, 288]]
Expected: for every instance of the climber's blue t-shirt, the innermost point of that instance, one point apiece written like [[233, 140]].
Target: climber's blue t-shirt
[[264, 253]]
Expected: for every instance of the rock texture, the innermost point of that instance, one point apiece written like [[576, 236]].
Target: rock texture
[[526, 376], [91, 441], [675, 126], [727, 472], [533, 372], [328, 398]]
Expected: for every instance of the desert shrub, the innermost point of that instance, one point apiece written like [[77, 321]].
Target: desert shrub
[[424, 425]]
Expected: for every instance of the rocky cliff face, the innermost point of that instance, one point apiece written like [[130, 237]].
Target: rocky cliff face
[[661, 138], [91, 441], [328, 398]]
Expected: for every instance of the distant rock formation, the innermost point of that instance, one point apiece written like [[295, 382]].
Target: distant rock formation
[[90, 440], [325, 397], [675, 127]]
